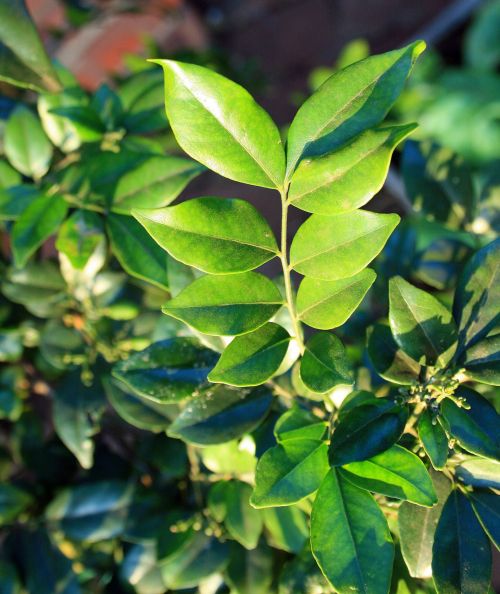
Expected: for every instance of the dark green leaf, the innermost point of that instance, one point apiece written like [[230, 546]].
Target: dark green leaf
[[13, 501], [389, 360], [477, 295], [14, 201], [287, 526], [480, 472], [350, 538], [433, 438], [216, 235], [349, 240], [421, 325], [349, 177], [416, 529], [138, 254], [324, 363], [298, 423], [219, 124], [226, 305], [396, 473], [303, 575], [23, 64], [243, 522], [26, 146], [250, 572], [79, 237], [482, 361], [352, 100], [487, 508], [328, 304], [477, 429], [221, 414], [92, 511], [461, 554], [253, 358], [167, 371], [289, 472], [38, 222], [367, 430]]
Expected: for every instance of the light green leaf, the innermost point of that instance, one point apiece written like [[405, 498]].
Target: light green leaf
[[349, 102], [167, 371], [298, 423], [14, 201], [219, 124], [417, 526], [37, 223], [91, 512], [396, 473], [253, 358], [23, 64], [366, 430], [13, 501], [26, 146], [137, 253], [389, 360], [340, 246], [461, 554], [232, 457], [243, 522], [477, 296], [350, 538], [434, 439], [221, 414], [216, 235], [289, 472], [79, 236], [480, 472], [324, 363], [422, 326], [328, 304], [8, 175], [154, 181], [226, 305], [349, 177]]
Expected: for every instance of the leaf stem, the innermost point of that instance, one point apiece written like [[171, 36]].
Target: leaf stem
[[290, 301]]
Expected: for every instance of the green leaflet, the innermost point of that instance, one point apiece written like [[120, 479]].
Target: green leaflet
[[253, 358], [480, 472], [287, 526], [243, 522], [325, 363], [221, 414], [136, 251], [216, 235], [477, 429], [8, 175], [36, 224], [13, 501], [487, 508], [24, 64], [417, 525], [340, 246], [349, 177], [349, 102], [421, 325], [396, 473], [92, 511], [461, 554], [482, 361], [389, 360], [350, 538], [297, 423], [167, 371], [366, 430], [219, 124], [328, 304], [26, 146], [289, 472], [14, 201], [477, 295], [79, 236], [226, 305], [434, 439]]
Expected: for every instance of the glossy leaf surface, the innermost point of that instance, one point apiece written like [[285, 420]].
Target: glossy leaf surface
[[328, 304], [350, 538], [226, 305], [325, 363], [219, 124], [340, 246], [434, 439], [480, 472]]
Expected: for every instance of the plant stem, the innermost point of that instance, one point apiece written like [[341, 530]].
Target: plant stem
[[286, 270]]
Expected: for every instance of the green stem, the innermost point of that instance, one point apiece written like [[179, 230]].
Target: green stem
[[290, 301]]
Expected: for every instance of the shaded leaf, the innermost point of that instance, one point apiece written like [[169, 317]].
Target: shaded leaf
[[79, 236], [250, 572], [487, 508], [479, 472], [243, 522], [13, 501], [324, 363], [287, 527], [433, 438]]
